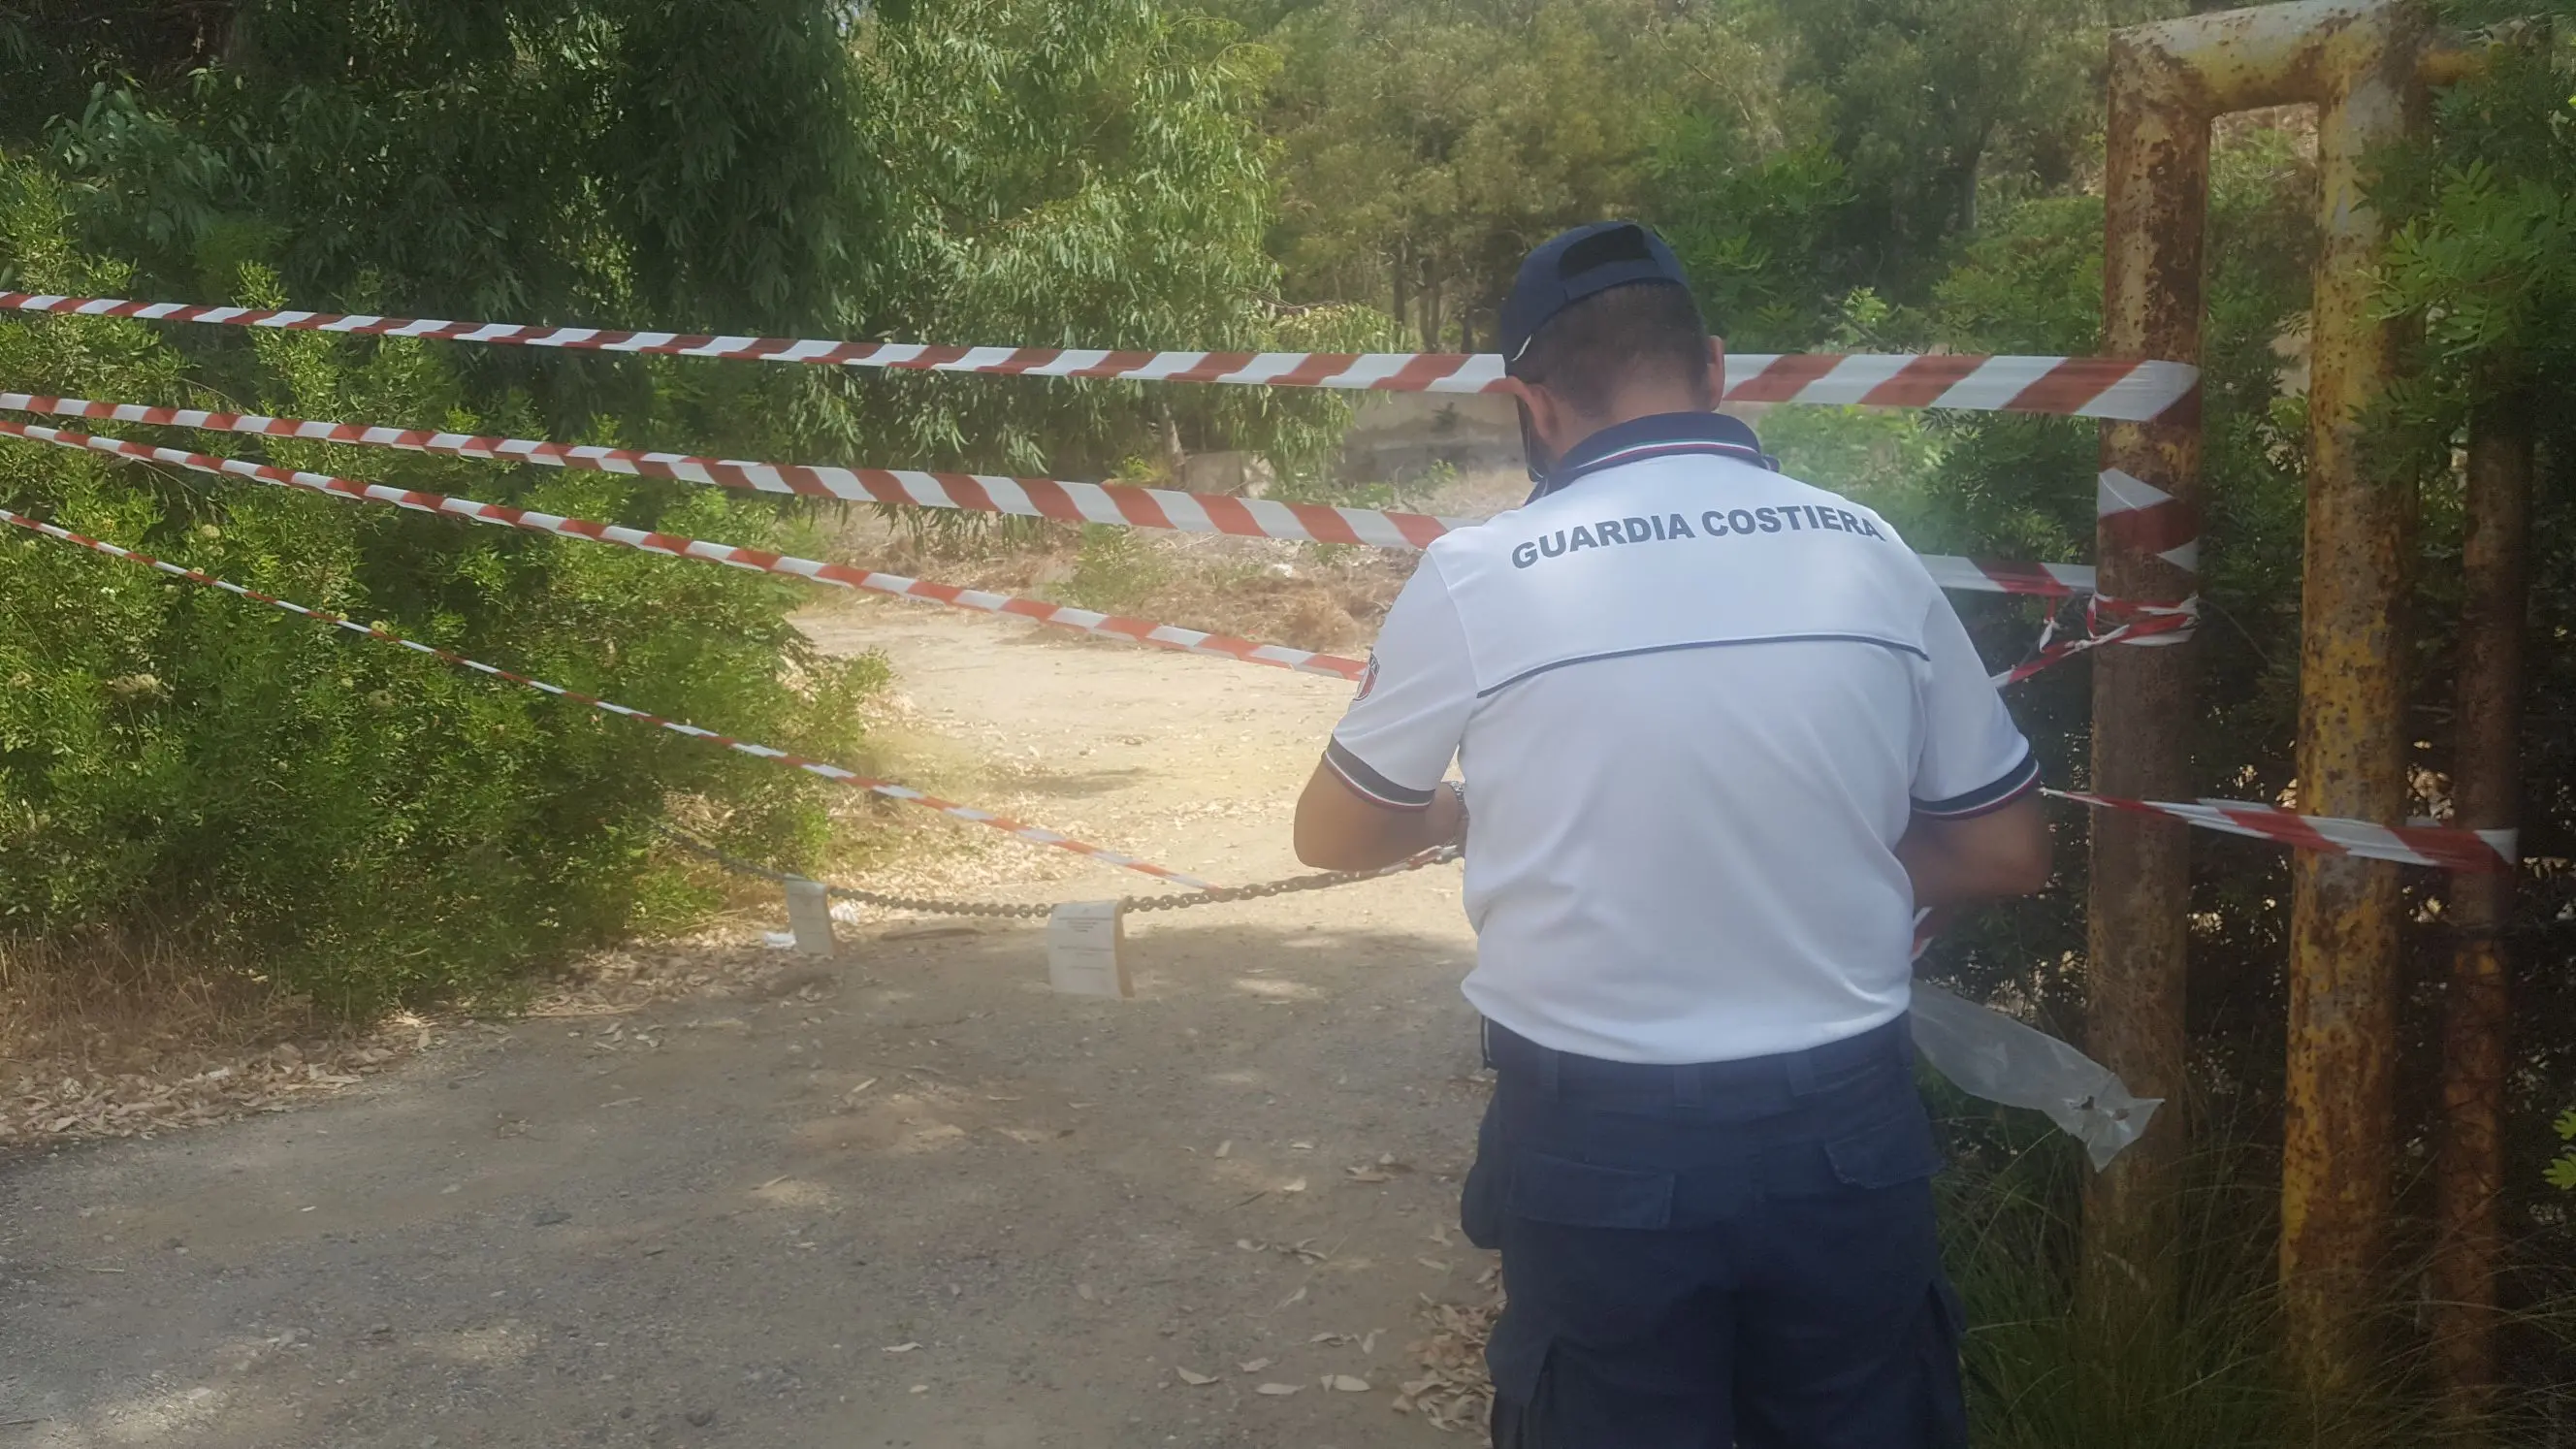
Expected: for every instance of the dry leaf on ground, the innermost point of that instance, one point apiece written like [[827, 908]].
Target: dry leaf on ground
[[1453, 1392]]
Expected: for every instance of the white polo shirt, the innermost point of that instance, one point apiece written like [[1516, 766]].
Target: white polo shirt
[[1696, 703]]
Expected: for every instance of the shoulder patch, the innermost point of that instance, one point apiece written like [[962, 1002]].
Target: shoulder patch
[[1368, 678]]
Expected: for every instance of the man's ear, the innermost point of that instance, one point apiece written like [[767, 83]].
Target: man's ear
[[1546, 412], [1717, 371]]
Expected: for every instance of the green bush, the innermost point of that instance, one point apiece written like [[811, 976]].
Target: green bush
[[356, 821]]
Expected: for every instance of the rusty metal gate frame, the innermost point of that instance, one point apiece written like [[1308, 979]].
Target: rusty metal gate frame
[[2361, 63]]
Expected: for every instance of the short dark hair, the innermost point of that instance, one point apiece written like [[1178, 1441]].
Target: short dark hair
[[1599, 345]]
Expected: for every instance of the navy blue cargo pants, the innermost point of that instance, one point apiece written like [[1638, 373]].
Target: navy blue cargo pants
[[1737, 1255]]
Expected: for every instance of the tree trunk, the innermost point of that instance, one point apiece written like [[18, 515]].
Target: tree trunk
[[1176, 459], [2339, 1143], [1402, 273], [2486, 789], [2148, 495]]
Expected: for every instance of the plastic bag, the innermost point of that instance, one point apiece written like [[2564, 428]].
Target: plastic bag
[[1992, 1056]]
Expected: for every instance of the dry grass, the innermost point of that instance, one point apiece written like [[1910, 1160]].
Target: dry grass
[[121, 1038], [115, 1001], [128, 1034], [1273, 592]]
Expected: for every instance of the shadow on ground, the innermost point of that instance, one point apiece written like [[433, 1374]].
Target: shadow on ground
[[911, 1199]]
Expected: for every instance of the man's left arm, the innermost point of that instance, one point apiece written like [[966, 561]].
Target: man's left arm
[[1977, 833], [1377, 797], [1338, 828]]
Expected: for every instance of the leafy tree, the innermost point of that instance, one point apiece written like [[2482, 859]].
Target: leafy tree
[[1428, 145], [2482, 269], [1014, 170], [1932, 103], [176, 760], [1001, 170], [649, 160], [1791, 151], [1091, 176]]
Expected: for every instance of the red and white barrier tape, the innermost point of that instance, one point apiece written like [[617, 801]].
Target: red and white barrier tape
[[2094, 387], [2448, 849], [2483, 851], [2136, 514], [1140, 631], [833, 773], [2149, 624], [1064, 502]]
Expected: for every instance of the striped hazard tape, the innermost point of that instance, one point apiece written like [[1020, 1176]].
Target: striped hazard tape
[[2093, 387], [1064, 502], [834, 773], [2481, 851], [1116, 626], [1141, 631], [2135, 514], [2148, 624]]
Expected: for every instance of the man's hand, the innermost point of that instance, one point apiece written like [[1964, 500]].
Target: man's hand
[[1988, 857], [1338, 828]]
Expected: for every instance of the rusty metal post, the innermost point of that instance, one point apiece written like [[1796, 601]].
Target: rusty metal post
[[2486, 789], [2339, 1132], [2137, 911], [2356, 61]]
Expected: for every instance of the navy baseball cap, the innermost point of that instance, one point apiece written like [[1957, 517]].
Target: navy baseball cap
[[1584, 262]]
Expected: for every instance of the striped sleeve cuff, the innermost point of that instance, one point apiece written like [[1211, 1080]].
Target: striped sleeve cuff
[[2016, 782], [1371, 785]]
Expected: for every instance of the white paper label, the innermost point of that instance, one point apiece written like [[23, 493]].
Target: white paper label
[[1084, 957], [809, 917]]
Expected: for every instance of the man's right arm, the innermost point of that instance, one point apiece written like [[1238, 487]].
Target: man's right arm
[[2002, 853]]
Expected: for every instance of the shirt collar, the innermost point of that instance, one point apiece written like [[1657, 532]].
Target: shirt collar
[[1659, 436]]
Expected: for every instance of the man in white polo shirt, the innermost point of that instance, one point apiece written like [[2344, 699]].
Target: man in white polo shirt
[[1722, 736]]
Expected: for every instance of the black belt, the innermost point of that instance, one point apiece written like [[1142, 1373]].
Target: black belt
[[1795, 1072]]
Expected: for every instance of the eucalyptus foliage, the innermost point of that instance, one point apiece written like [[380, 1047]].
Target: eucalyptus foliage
[[369, 825], [341, 817]]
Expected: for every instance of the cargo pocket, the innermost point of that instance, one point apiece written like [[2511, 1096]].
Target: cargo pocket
[[1523, 1423], [1480, 1198], [1899, 1150], [1574, 1194], [1945, 1403]]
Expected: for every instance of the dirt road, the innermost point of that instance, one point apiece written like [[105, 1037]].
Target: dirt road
[[909, 1198]]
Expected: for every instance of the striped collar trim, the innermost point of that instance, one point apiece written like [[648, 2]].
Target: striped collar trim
[[1663, 435]]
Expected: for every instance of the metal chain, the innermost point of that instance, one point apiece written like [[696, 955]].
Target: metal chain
[[1033, 910], [1324, 880]]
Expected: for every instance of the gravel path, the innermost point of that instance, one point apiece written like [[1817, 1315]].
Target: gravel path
[[906, 1198]]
